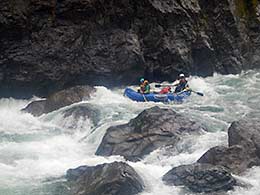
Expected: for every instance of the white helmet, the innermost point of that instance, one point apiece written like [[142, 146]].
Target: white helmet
[[181, 75]]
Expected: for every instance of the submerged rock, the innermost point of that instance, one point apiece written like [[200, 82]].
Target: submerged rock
[[60, 99], [79, 114], [116, 178], [150, 130], [201, 178]]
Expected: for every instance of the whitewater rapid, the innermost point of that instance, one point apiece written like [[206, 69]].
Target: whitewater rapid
[[35, 152]]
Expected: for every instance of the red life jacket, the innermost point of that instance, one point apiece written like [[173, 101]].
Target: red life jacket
[[165, 90]]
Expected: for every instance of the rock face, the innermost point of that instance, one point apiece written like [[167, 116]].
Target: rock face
[[244, 147], [60, 99], [201, 178], [116, 178], [46, 46], [153, 128]]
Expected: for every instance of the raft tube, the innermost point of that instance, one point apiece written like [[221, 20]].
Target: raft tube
[[155, 97]]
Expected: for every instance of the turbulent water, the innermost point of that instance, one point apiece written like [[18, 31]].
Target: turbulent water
[[36, 152]]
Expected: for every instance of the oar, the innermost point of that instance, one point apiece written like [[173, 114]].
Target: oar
[[198, 93], [144, 98], [159, 85]]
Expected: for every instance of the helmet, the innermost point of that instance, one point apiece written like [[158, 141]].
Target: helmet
[[142, 80], [181, 76]]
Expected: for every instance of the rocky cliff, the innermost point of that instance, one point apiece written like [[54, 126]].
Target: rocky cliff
[[47, 45]]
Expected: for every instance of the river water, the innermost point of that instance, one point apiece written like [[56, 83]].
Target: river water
[[35, 152]]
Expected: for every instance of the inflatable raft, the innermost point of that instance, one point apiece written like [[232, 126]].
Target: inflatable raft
[[155, 97]]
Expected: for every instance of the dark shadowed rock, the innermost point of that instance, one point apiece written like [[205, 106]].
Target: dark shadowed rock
[[60, 99], [116, 178], [151, 129], [236, 158], [200, 178]]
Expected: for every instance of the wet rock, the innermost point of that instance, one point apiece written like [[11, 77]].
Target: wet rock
[[36, 108], [116, 178], [201, 178], [80, 113], [47, 46], [74, 174], [60, 99], [150, 130], [245, 132], [244, 147], [236, 158]]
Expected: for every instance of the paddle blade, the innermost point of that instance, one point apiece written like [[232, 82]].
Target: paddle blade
[[199, 93]]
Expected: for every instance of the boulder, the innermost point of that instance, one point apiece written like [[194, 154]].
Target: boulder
[[245, 132], [81, 113], [36, 108], [197, 177], [115, 178], [236, 158], [244, 147], [151, 129], [60, 99]]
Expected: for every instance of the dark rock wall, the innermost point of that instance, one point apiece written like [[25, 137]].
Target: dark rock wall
[[47, 45]]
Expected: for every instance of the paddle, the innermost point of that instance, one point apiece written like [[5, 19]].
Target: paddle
[[159, 85], [198, 93], [144, 98]]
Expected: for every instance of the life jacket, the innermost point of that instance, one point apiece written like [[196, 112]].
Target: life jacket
[[165, 90], [181, 86], [145, 87]]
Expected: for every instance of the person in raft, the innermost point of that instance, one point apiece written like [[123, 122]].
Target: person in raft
[[181, 84], [144, 86]]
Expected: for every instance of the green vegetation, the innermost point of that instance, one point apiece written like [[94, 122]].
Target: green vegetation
[[246, 8]]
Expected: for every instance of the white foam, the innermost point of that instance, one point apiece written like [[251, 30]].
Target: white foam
[[33, 149], [252, 179]]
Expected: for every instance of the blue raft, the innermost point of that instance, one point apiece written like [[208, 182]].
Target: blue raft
[[155, 97]]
